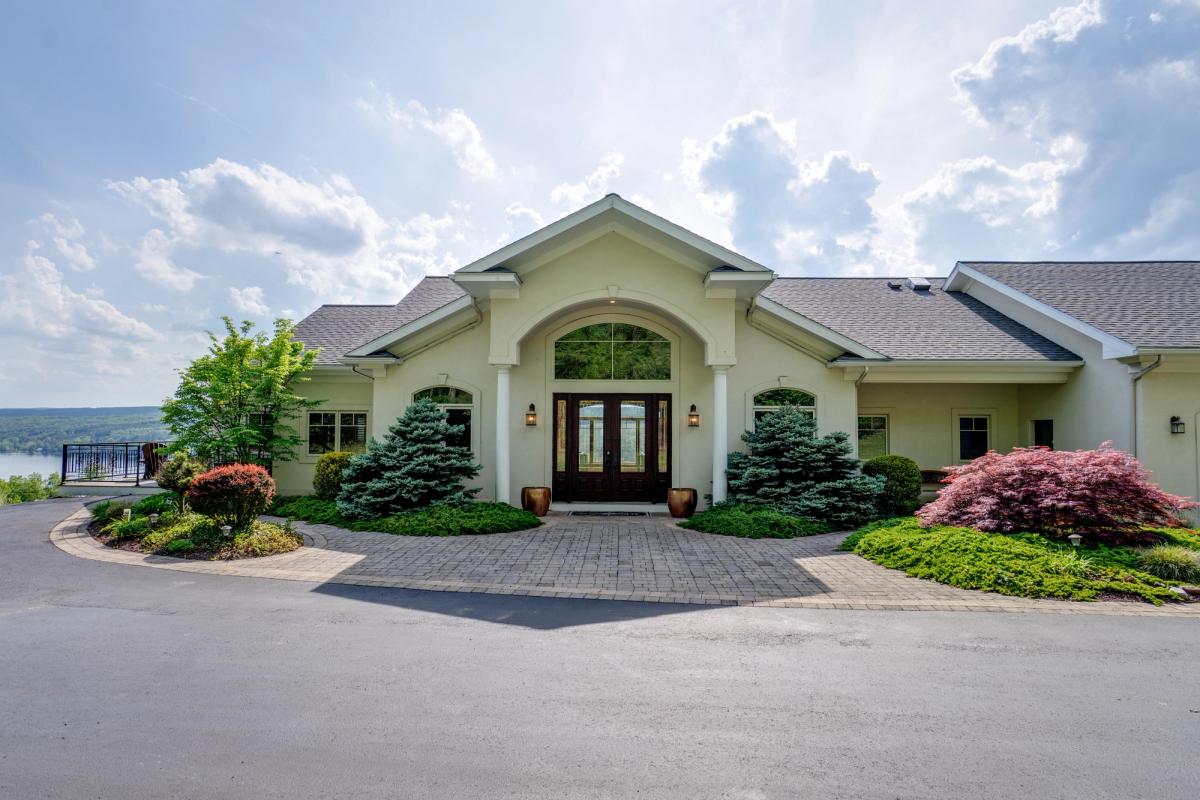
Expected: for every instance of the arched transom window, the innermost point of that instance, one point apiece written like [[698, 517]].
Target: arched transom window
[[775, 399], [612, 351], [457, 403]]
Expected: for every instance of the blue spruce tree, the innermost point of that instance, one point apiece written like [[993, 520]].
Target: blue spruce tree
[[413, 466], [791, 469]]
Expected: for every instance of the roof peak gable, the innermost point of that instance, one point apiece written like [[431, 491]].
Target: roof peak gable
[[608, 214]]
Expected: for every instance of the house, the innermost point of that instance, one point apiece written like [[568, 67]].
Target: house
[[613, 354]]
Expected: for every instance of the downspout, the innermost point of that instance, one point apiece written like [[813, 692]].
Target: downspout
[[365, 375], [1137, 377], [858, 381]]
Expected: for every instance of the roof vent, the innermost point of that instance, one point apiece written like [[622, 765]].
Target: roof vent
[[918, 284], [893, 284]]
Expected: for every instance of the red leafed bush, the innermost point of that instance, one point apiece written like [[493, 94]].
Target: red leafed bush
[[1098, 493], [234, 495]]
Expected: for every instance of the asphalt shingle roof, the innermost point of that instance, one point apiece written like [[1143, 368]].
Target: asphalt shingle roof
[[338, 329], [1146, 303], [906, 324]]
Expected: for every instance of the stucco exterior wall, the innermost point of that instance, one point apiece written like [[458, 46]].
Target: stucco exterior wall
[[1096, 402], [338, 392], [923, 418], [1172, 390]]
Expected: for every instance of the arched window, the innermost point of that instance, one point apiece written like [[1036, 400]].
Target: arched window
[[774, 399], [612, 351], [457, 403]]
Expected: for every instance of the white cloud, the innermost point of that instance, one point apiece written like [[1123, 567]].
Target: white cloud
[[154, 263], [324, 235], [786, 211], [67, 236], [1109, 93], [592, 187], [249, 300], [454, 127], [35, 302]]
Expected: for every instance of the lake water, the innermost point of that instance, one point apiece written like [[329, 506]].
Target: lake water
[[25, 463]]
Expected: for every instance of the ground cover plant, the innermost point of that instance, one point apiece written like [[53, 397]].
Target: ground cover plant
[[437, 520], [753, 522], [1023, 564], [789, 468], [1102, 495]]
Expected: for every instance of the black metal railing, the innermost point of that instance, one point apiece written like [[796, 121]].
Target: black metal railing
[[111, 462]]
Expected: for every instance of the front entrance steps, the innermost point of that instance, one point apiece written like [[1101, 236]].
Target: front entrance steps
[[642, 508]]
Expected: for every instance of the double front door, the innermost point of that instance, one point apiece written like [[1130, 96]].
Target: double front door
[[612, 447]]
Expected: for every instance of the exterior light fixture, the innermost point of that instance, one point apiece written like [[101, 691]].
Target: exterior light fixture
[[1075, 539], [693, 417], [226, 530], [531, 416], [126, 514], [1178, 425], [612, 301], [153, 520]]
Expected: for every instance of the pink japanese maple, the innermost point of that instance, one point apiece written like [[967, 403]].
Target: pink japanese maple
[[1103, 491]]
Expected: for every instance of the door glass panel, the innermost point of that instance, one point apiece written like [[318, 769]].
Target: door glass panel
[[560, 436], [591, 436], [633, 436], [664, 436]]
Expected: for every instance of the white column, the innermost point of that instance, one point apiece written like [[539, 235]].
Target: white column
[[503, 428], [720, 431]]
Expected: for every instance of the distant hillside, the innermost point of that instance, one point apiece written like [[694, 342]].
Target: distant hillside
[[31, 430]]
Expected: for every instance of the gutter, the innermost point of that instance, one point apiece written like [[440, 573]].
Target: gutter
[[1137, 377]]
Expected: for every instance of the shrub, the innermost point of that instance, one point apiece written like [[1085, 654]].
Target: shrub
[[790, 469], [1022, 567], [327, 479], [161, 503], [1171, 563], [196, 532], [414, 466], [26, 488], [234, 495], [902, 484], [1096, 493], [441, 520], [134, 528], [177, 474], [753, 522]]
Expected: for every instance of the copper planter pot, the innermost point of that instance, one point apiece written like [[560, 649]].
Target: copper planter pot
[[681, 502], [536, 500]]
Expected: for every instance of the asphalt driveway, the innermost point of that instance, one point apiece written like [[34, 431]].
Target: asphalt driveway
[[121, 681]]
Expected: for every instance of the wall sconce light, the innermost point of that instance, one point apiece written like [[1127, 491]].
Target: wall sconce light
[[1177, 425], [693, 417], [531, 416]]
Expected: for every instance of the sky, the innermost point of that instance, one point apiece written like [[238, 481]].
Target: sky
[[166, 164]]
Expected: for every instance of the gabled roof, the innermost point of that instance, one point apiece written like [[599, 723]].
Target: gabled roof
[[1148, 304], [604, 214], [929, 325], [338, 329]]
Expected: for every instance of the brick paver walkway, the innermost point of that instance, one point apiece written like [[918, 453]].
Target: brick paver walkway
[[648, 559]]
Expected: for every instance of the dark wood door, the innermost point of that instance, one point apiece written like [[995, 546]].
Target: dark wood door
[[612, 447]]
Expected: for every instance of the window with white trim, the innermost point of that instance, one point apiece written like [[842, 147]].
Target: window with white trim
[[458, 405], [974, 437], [337, 430], [774, 399], [872, 436]]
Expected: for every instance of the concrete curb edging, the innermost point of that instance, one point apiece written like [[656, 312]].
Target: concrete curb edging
[[315, 563]]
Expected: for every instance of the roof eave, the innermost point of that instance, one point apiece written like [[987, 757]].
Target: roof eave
[[961, 277]]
